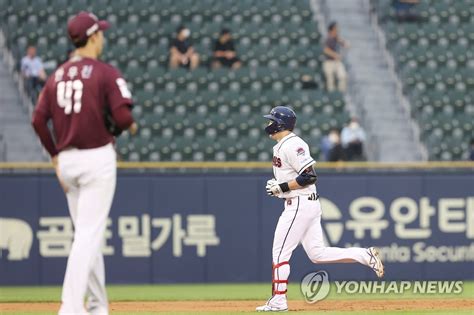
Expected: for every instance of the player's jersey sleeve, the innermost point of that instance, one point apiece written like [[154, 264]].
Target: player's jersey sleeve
[[116, 89], [44, 100], [299, 156]]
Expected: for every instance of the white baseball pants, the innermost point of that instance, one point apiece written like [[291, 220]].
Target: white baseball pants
[[300, 222], [90, 177]]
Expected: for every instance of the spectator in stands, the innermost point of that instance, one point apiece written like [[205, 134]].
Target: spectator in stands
[[333, 66], [471, 152], [353, 138], [308, 82], [328, 142], [224, 52], [182, 53], [332, 148], [33, 73], [406, 10], [337, 152]]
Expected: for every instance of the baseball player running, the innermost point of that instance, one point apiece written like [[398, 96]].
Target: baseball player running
[[300, 222], [75, 98]]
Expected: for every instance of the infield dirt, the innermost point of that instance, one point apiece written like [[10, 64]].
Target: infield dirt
[[249, 306]]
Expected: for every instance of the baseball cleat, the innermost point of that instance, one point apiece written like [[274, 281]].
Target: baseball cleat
[[273, 305], [375, 262], [268, 308], [98, 311]]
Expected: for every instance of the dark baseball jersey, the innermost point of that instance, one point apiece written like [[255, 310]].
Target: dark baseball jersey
[[75, 97]]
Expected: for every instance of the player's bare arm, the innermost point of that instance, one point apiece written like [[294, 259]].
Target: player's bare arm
[[328, 51], [54, 160]]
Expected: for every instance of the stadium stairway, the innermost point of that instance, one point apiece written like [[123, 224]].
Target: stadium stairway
[[18, 136], [372, 85]]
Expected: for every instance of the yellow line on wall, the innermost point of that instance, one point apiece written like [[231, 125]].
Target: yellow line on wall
[[257, 165]]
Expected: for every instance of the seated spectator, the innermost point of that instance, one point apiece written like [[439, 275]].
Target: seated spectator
[[353, 138], [337, 152], [333, 66], [405, 10], [471, 152], [224, 52], [33, 73], [182, 53], [327, 143], [332, 148], [308, 82]]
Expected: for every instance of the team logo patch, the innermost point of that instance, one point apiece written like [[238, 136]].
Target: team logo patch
[[300, 151]]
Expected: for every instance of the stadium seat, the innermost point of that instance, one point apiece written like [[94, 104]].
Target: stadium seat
[[433, 59], [277, 41]]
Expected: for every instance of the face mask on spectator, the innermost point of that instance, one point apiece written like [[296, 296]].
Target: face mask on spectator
[[334, 137], [186, 33], [354, 125]]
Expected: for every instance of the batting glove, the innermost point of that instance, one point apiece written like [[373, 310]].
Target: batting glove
[[273, 188]]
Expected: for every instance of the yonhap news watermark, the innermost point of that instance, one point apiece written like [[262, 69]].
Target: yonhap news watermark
[[315, 286]]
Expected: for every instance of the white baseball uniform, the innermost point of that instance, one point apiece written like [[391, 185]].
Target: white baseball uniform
[[90, 176], [300, 222]]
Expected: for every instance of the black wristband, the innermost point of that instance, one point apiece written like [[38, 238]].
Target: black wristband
[[284, 187]]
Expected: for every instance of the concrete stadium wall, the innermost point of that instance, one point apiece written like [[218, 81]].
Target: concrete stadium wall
[[172, 228]]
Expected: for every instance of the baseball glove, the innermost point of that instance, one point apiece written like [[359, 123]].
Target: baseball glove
[[110, 123]]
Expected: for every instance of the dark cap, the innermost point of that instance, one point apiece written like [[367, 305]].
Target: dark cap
[[332, 25], [180, 29], [83, 25]]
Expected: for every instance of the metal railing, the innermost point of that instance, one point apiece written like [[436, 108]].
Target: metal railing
[[10, 62], [352, 97], [3, 148], [399, 86]]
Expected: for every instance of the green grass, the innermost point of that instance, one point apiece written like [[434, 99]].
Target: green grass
[[202, 292]]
